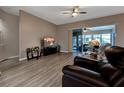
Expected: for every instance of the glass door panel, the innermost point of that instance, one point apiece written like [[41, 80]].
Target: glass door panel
[[80, 40], [77, 40], [74, 44], [97, 37], [106, 38], [87, 39]]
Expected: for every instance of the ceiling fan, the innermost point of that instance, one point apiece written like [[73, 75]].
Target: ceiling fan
[[74, 12]]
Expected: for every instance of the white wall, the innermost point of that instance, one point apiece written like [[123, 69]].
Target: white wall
[[62, 37], [10, 31], [31, 30]]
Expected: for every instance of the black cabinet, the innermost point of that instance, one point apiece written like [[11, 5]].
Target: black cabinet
[[51, 50]]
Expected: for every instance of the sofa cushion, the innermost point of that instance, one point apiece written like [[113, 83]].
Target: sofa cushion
[[109, 72], [115, 56]]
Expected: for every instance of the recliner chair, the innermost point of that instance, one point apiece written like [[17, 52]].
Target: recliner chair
[[89, 73]]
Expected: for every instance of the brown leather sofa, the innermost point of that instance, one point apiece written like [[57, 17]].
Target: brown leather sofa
[[88, 73]]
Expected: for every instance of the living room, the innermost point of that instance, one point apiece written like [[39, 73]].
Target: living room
[[40, 46]]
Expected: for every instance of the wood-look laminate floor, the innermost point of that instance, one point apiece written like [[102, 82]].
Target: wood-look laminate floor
[[45, 72]]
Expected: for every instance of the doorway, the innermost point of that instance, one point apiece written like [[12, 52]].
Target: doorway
[[77, 40], [80, 37]]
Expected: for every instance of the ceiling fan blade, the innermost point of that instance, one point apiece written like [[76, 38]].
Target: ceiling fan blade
[[66, 12], [82, 12]]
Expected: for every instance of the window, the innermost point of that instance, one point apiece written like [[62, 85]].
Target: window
[[103, 38], [106, 38], [87, 39], [97, 37]]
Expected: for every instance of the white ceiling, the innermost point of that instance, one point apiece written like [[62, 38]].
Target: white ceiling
[[54, 14]]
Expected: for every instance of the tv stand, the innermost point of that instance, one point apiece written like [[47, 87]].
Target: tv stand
[[51, 50]]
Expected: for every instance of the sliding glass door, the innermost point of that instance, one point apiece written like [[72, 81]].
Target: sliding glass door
[[77, 40], [104, 34]]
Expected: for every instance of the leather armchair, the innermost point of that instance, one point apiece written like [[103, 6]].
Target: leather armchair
[[75, 76], [89, 73], [86, 63]]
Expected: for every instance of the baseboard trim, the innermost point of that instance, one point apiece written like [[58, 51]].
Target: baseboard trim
[[9, 58], [21, 59], [64, 51], [13, 57]]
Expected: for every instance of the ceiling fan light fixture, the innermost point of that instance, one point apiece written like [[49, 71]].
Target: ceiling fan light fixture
[[74, 14], [86, 29], [76, 10]]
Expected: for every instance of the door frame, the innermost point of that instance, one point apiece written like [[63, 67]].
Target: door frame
[[70, 41]]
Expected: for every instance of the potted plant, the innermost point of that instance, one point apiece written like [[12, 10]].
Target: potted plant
[[94, 44]]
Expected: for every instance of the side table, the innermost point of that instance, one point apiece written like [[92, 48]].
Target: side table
[[32, 53]]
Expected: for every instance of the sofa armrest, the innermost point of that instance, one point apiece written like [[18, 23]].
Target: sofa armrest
[[81, 75], [81, 60], [120, 82], [86, 63]]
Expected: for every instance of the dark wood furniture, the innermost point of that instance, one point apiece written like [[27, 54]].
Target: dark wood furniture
[[47, 49], [51, 50], [33, 53]]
